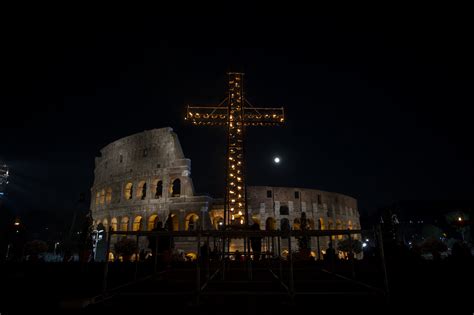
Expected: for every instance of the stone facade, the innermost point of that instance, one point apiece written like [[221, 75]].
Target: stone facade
[[145, 178]]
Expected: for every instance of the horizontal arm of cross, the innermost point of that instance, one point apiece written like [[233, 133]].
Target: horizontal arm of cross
[[261, 116], [209, 116]]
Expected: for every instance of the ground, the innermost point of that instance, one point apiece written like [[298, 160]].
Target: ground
[[70, 288]]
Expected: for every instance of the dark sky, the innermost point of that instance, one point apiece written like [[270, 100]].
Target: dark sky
[[377, 108]]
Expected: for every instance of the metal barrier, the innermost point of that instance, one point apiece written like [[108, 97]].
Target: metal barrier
[[282, 269]]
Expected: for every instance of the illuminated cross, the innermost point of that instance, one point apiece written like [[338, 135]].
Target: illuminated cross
[[236, 116]]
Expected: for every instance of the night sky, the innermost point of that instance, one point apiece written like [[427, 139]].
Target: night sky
[[377, 108]]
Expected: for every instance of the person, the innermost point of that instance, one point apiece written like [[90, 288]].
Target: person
[[330, 254], [204, 257], [205, 251], [256, 242], [238, 255]]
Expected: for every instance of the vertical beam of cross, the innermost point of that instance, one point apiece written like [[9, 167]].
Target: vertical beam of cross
[[235, 162], [236, 116]]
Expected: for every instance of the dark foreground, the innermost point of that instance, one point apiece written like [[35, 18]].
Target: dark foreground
[[73, 288]]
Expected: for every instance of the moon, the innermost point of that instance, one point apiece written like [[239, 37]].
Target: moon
[[276, 160]]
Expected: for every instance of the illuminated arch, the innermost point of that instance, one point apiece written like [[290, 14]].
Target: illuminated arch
[[256, 219], [97, 198], [191, 256], [218, 223], [137, 223], [192, 222], [141, 191], [128, 194], [152, 222], [114, 224], [331, 227], [349, 225], [339, 227], [321, 224], [296, 224], [108, 196], [124, 224], [172, 222], [102, 196], [270, 224], [105, 223]]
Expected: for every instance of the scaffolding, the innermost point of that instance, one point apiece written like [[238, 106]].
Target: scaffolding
[[286, 271]]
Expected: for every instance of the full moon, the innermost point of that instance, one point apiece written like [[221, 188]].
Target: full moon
[[276, 160]]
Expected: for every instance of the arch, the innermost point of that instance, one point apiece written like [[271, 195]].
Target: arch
[[158, 189], [124, 224], [284, 224], [96, 224], [296, 224], [256, 218], [191, 256], [108, 196], [218, 223], [152, 222], [176, 188], [102, 196], [331, 227], [141, 191], [111, 257], [339, 227], [311, 224], [114, 224], [105, 223], [172, 222], [128, 194], [97, 198], [192, 222], [321, 224], [270, 224], [137, 223], [349, 225]]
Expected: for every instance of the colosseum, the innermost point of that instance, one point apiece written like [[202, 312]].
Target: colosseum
[[145, 178]]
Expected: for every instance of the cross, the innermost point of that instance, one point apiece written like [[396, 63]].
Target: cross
[[235, 116]]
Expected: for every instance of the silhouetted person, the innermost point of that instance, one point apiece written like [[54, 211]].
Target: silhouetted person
[[204, 257], [238, 255], [205, 251], [214, 253], [330, 255], [167, 243], [169, 227], [256, 242]]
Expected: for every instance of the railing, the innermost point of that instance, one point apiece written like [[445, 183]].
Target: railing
[[281, 269]]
